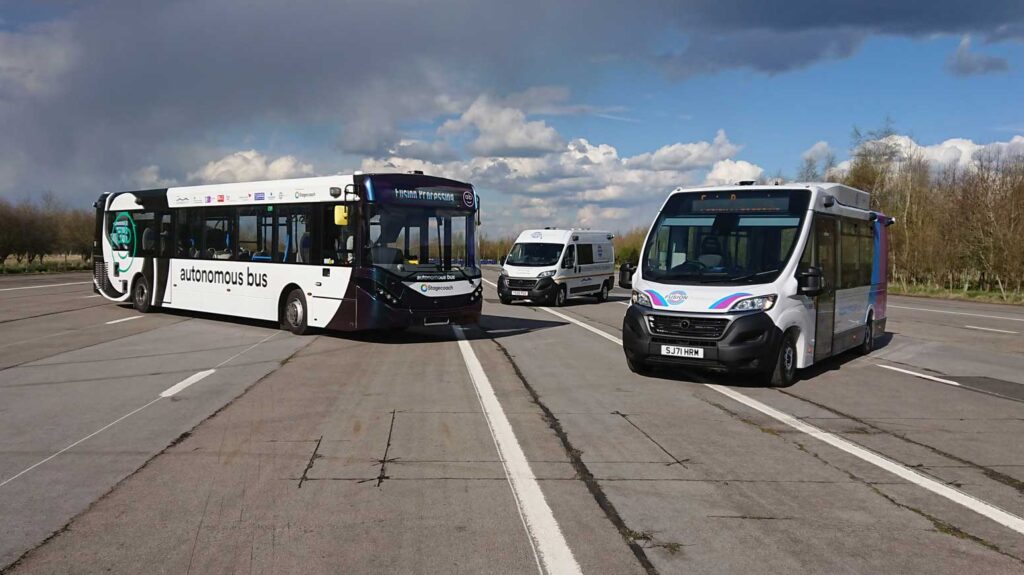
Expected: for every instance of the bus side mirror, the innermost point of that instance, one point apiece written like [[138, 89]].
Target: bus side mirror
[[341, 215], [809, 282]]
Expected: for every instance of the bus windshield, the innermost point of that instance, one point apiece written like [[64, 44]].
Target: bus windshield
[[406, 240], [729, 237], [533, 254]]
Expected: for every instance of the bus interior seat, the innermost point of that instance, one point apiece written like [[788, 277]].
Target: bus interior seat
[[304, 245], [148, 238]]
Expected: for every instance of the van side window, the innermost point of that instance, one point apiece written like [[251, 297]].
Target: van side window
[[569, 259], [586, 254]]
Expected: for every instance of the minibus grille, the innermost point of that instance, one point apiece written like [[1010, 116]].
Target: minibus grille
[[521, 283], [682, 326]]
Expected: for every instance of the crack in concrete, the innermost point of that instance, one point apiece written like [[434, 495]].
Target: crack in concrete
[[675, 460], [384, 460], [582, 471], [312, 459]]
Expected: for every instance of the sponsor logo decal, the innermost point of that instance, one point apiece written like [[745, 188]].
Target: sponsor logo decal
[[302, 194], [424, 288], [209, 199], [260, 196], [429, 289], [677, 297], [467, 198], [124, 240], [220, 198], [727, 301]]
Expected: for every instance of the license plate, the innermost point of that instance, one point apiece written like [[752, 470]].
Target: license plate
[[679, 351], [520, 293]]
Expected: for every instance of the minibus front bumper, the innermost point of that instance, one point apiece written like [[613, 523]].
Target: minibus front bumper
[[537, 290], [748, 342]]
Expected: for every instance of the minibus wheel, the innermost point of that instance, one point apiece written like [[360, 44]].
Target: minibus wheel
[[294, 313], [868, 344], [141, 295], [602, 296], [784, 372]]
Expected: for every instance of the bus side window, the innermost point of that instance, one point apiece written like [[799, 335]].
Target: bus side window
[[293, 234]]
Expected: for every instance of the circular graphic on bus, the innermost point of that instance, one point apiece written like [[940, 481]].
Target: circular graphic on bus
[[467, 198], [677, 297], [123, 240]]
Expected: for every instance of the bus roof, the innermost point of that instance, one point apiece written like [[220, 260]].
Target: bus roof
[[844, 195]]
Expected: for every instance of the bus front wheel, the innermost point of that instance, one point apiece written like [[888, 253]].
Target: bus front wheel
[[294, 313], [141, 295], [783, 373]]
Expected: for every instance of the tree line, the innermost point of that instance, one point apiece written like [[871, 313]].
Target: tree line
[[30, 230]]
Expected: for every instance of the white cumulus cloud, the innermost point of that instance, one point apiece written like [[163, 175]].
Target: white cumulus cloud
[[248, 166], [732, 171]]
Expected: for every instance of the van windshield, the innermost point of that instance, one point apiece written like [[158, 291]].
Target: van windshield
[[728, 237], [534, 254]]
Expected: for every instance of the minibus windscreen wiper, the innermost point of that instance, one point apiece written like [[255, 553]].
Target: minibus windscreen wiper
[[752, 276]]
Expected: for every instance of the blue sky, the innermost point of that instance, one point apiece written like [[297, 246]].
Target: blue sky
[[561, 113]]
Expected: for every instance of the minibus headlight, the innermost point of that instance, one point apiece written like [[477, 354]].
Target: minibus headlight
[[758, 303], [503, 272], [546, 274], [640, 298]]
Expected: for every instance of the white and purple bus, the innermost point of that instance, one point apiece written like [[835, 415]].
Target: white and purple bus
[[762, 279], [347, 252]]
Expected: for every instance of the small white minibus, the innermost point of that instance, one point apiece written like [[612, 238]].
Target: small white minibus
[[551, 265]]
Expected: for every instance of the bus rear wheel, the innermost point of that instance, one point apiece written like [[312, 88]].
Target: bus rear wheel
[[141, 295], [868, 344], [294, 314]]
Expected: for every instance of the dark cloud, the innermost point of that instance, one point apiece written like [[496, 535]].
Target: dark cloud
[[92, 92]]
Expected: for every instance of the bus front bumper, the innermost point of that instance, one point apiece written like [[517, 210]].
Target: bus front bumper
[[750, 344]]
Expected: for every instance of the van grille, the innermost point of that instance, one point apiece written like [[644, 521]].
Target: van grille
[[683, 326], [521, 283]]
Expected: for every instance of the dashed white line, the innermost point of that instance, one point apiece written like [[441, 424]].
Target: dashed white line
[[43, 286], [194, 378], [1001, 516], [958, 313], [991, 329], [123, 319], [550, 548], [921, 375]]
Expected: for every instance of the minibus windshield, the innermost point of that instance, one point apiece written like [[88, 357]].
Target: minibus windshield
[[728, 237], [534, 254]]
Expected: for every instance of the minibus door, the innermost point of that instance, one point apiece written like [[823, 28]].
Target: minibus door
[[825, 239]]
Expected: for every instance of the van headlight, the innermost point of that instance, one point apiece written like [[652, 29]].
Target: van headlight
[[758, 303], [640, 298], [504, 272], [546, 274]]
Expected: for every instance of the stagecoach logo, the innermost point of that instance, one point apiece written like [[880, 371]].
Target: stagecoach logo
[[123, 240], [301, 194], [467, 198], [428, 288], [677, 297]]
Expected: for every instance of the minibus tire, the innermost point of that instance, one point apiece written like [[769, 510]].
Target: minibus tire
[[783, 374], [295, 313], [141, 295], [560, 296], [602, 296], [868, 344]]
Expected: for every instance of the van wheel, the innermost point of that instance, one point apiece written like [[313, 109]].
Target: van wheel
[[560, 296], [602, 296], [294, 313], [868, 344], [784, 372], [141, 295]]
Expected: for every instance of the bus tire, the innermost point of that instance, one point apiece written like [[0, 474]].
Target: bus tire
[[294, 313], [783, 373], [602, 296], [868, 344], [560, 296], [141, 294]]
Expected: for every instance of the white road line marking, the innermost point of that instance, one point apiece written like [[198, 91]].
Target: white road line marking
[[221, 364], [625, 303], [958, 313], [91, 435], [90, 296], [123, 319], [194, 378], [991, 329], [921, 375], [994, 513], [587, 327], [550, 548], [489, 282], [44, 286]]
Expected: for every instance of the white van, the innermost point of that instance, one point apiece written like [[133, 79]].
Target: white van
[[764, 279], [551, 265]]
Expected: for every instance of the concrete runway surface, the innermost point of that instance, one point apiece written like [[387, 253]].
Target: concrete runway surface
[[183, 443]]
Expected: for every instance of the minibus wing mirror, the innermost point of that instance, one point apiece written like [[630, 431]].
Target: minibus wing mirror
[[809, 282], [501, 261], [341, 215]]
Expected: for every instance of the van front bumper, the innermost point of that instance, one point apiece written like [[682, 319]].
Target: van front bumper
[[542, 290], [749, 343]]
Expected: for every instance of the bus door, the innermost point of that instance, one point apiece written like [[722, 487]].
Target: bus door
[[825, 237]]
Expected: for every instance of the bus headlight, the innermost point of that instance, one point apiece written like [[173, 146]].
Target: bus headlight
[[640, 298], [758, 303], [546, 274]]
